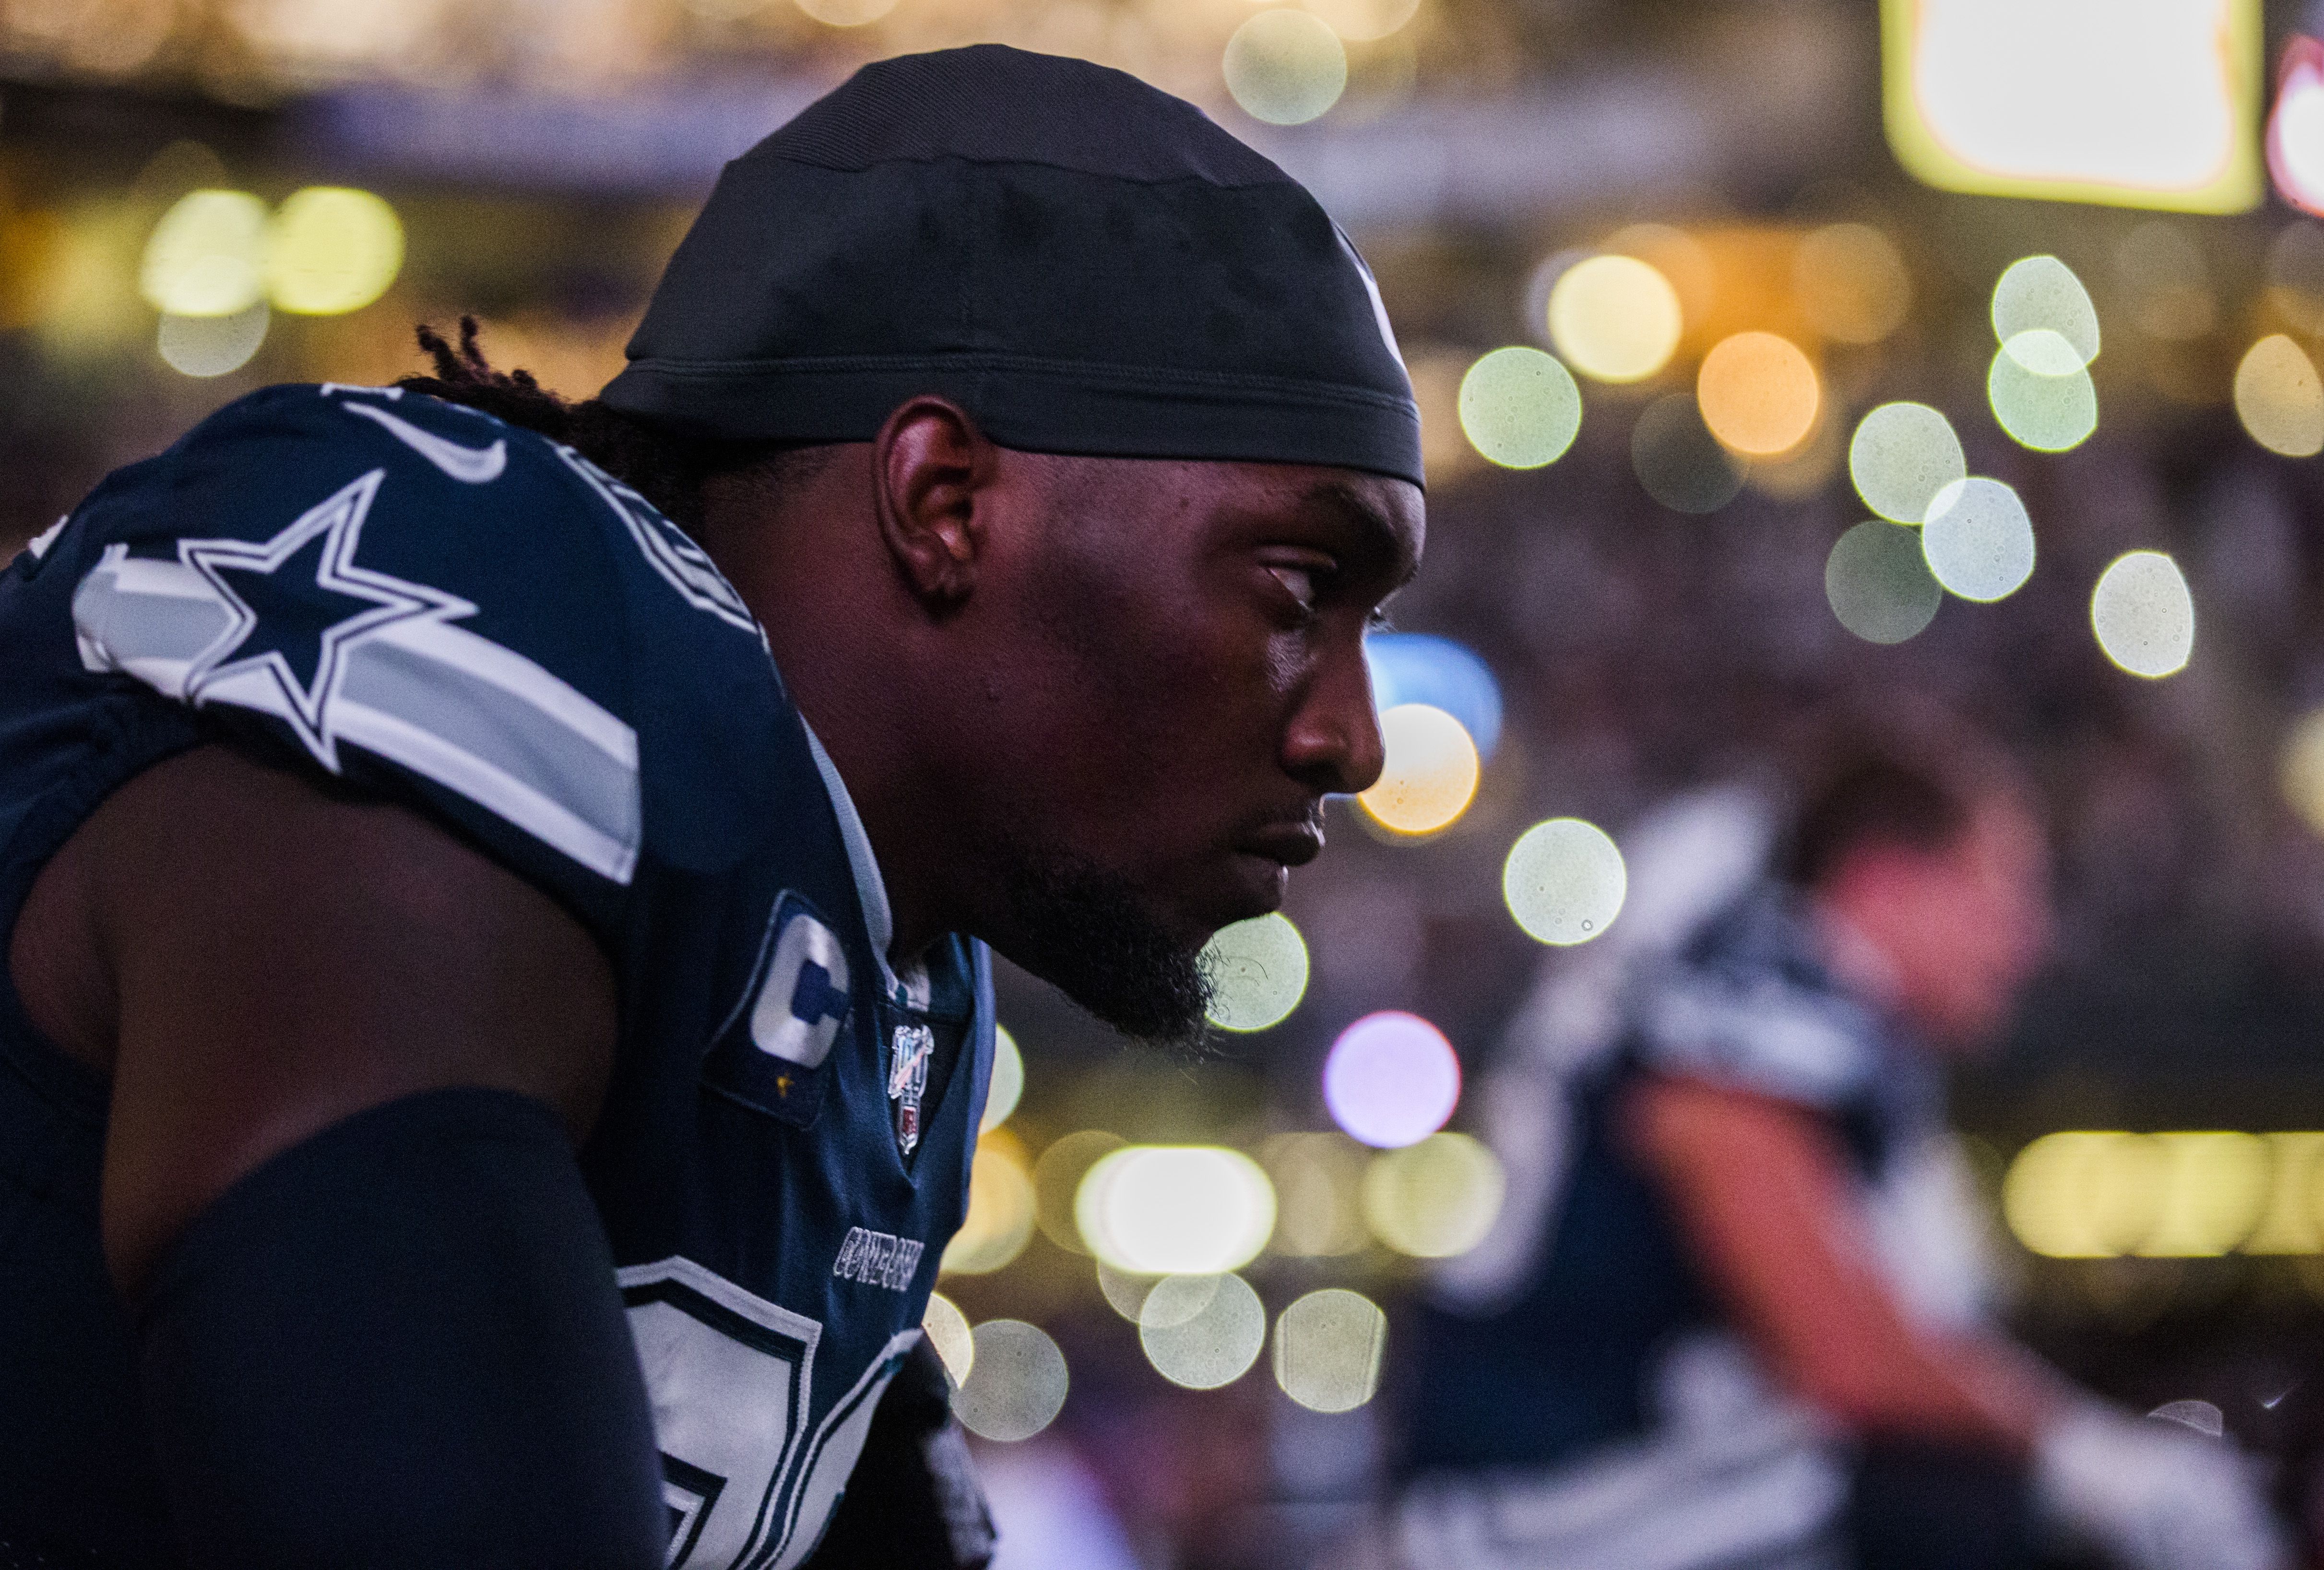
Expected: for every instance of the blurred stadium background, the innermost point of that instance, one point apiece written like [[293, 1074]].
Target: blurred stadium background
[[1695, 294]]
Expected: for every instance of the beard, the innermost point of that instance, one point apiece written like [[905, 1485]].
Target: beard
[[1089, 934]]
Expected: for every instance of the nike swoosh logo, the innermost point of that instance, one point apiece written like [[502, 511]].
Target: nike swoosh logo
[[474, 466]]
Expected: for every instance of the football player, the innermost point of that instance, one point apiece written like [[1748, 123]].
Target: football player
[[496, 1009], [1749, 1323]]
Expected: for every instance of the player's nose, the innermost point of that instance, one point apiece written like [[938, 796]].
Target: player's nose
[[1332, 744]]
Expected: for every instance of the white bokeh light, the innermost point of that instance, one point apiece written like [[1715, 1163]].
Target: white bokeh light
[[1564, 881], [1978, 542], [1257, 970], [1176, 1210]]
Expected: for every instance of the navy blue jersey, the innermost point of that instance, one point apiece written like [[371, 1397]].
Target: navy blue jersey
[[1568, 1360], [412, 601]]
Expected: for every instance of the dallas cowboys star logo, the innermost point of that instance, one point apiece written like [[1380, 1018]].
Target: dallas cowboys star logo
[[300, 606]]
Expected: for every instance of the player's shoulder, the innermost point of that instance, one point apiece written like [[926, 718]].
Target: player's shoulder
[[405, 588], [1750, 1001]]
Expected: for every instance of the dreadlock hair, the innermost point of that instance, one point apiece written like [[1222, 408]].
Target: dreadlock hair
[[669, 470]]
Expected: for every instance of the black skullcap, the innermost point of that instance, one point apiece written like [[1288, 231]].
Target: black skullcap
[[1084, 264]]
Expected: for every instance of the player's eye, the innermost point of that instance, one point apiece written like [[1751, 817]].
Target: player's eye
[[1299, 582]]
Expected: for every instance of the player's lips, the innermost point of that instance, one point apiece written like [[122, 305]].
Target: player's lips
[[1292, 843]]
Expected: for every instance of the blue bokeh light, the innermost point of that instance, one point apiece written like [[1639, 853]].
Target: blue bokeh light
[[1422, 668]]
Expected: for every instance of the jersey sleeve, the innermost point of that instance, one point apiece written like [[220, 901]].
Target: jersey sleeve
[[1744, 1008], [406, 596]]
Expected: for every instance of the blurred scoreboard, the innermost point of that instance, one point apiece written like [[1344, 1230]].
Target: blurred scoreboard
[[2133, 103]]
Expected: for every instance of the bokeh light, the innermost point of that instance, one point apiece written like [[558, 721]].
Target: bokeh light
[[1759, 394], [1431, 773], [1058, 1180], [999, 1209], [1433, 1199], [1318, 1179], [1900, 457], [1328, 1346], [1007, 1084], [1391, 1079], [1016, 1384], [332, 250], [2198, 1194], [1615, 319], [1202, 1332], [2295, 275], [2296, 126], [1564, 881], [2142, 615], [1679, 461], [948, 1332], [1423, 668], [1878, 583], [2040, 395], [1176, 1210], [1519, 407], [1364, 21], [1125, 1291], [846, 12], [1286, 67], [1852, 283], [2279, 398], [212, 346], [1978, 542], [2301, 770], [1257, 970], [207, 256], [2042, 294]]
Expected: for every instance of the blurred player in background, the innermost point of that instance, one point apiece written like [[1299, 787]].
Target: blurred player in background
[[497, 1011], [1737, 1313]]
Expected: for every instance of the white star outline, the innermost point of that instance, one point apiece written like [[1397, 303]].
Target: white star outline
[[307, 709]]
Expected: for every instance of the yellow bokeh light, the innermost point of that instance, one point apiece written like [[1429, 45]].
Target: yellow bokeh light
[[211, 346], [1007, 1084], [1759, 394], [999, 1209], [1564, 881], [2043, 398], [1878, 585], [1901, 456], [2301, 771], [2142, 615], [1519, 407], [1328, 1346], [1852, 283], [1286, 67], [1318, 1187], [1176, 1210], [2279, 398], [1257, 970], [1058, 1179], [1431, 773], [1615, 319], [1978, 542], [1363, 21], [207, 256], [1016, 1384], [2042, 294], [846, 12], [332, 250], [1202, 1332], [2103, 1194], [1434, 1200], [2293, 1221], [2214, 1188], [948, 1333]]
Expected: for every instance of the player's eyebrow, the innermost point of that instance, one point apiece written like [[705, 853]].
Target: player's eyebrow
[[1380, 539]]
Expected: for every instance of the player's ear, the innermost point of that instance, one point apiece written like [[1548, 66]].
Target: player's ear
[[929, 464]]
